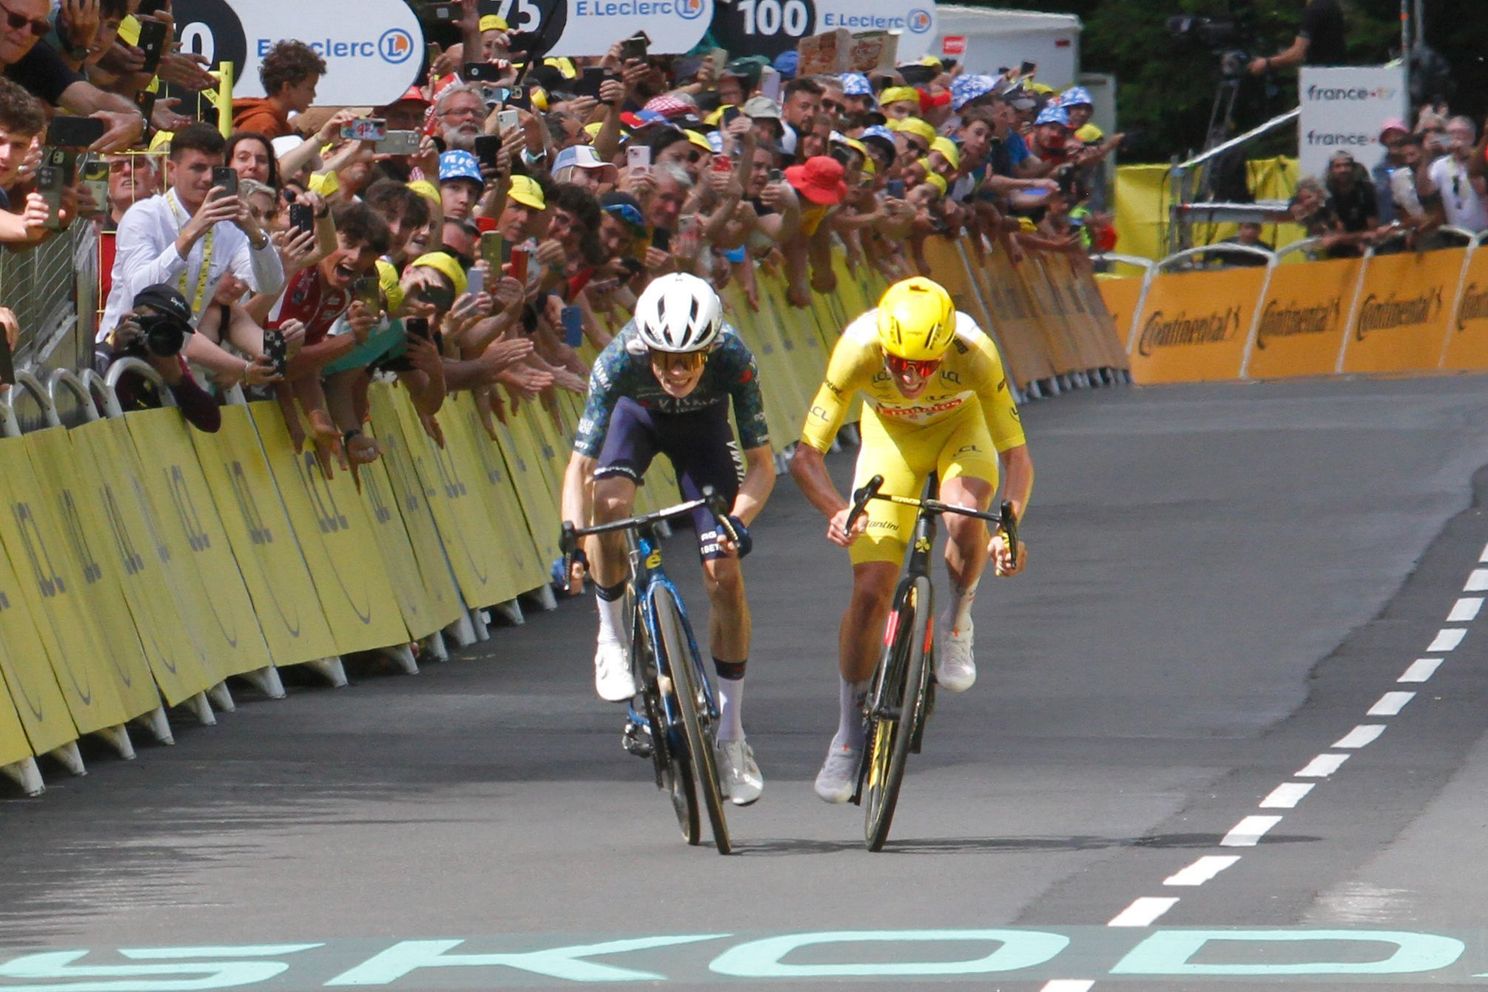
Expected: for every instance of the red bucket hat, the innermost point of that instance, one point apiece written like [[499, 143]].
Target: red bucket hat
[[819, 179]]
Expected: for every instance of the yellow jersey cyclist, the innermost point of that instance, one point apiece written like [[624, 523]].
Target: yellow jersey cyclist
[[664, 385], [937, 399]]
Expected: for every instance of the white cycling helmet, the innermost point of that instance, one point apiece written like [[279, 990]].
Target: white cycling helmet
[[678, 313]]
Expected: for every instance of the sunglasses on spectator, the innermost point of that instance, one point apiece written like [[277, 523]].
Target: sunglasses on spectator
[[903, 366], [40, 27], [918, 149], [694, 156]]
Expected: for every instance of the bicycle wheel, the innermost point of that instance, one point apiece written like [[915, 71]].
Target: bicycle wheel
[[897, 704], [673, 772], [692, 707]]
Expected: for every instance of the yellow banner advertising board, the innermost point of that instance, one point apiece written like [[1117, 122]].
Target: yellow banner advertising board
[[1304, 318], [1194, 325], [1403, 313]]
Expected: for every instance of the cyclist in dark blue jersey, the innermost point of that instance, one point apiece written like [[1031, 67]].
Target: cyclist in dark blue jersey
[[664, 386]]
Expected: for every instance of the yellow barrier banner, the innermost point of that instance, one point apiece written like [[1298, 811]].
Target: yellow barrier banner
[[470, 537], [1404, 312], [184, 510], [106, 614], [1015, 321], [14, 746], [39, 703], [337, 541], [1095, 328], [51, 593], [284, 595], [490, 482], [779, 387], [1121, 297], [1304, 318], [1194, 325], [432, 568], [152, 580], [1466, 345], [399, 564], [514, 439]]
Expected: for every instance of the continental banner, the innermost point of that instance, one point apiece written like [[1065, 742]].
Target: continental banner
[[1403, 312], [1121, 296], [1303, 318], [1466, 343], [1194, 325]]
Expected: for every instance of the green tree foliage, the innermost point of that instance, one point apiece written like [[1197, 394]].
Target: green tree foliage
[[1166, 86]]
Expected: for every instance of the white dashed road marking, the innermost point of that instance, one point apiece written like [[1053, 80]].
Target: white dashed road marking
[[1202, 870], [1446, 639], [1477, 581], [1143, 911], [1287, 796], [1420, 670], [1323, 765], [1068, 985], [1249, 831], [1363, 734], [1390, 704], [1465, 610]]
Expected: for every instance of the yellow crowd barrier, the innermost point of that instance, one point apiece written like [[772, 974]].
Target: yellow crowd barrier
[[143, 563], [1389, 313]]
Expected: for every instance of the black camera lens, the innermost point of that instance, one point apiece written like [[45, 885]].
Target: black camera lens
[[163, 336]]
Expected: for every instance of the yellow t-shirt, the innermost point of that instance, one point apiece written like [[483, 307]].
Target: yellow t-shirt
[[971, 372]]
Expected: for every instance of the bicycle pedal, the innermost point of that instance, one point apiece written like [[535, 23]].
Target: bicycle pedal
[[636, 739]]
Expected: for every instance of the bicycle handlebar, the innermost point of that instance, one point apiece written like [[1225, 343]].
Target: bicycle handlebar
[[568, 537], [1005, 519]]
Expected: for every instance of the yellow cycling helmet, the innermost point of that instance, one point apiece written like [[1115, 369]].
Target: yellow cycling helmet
[[916, 320]]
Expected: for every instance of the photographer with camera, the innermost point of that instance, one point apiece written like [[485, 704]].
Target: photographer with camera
[[1319, 41], [155, 330]]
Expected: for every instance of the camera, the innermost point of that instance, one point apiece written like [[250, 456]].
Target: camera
[[161, 335]]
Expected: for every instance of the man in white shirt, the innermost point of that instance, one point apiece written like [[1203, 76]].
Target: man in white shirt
[[1462, 198], [189, 237]]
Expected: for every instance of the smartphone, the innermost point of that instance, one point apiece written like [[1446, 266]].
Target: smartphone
[[638, 158], [226, 177], [769, 83], [573, 326], [145, 101], [399, 143], [507, 119], [149, 7], [152, 43], [635, 47], [74, 132], [365, 129], [441, 13], [95, 176], [491, 245], [7, 362], [589, 82], [729, 113], [276, 350], [487, 147], [475, 282], [775, 176], [482, 72], [519, 264], [719, 58], [1027, 69], [661, 239], [302, 216], [895, 188], [722, 163], [49, 182], [368, 291]]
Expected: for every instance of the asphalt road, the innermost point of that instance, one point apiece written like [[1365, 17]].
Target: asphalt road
[[1189, 760]]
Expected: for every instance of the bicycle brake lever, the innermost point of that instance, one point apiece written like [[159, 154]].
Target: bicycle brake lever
[[861, 497], [568, 538], [1008, 524], [716, 503]]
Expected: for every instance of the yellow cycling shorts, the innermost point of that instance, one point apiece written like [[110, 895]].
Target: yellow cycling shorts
[[905, 454]]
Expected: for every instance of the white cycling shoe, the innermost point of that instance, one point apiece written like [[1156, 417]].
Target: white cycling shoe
[[955, 669], [738, 774], [613, 678], [839, 773]]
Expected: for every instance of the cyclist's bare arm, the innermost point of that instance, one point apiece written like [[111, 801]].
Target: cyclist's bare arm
[[575, 503], [809, 468], [1017, 474], [758, 483]]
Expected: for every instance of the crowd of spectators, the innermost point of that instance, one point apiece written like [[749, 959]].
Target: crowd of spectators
[[482, 229]]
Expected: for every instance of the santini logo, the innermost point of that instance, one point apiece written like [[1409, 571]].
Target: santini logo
[[1315, 92]]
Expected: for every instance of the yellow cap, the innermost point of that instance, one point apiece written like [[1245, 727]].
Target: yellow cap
[[161, 141], [129, 30], [869, 169], [1027, 226], [446, 265], [387, 278], [948, 150], [916, 320], [1090, 134], [539, 98], [427, 190], [932, 62], [593, 129], [698, 141], [914, 126], [936, 180], [526, 191], [895, 94], [492, 22], [564, 66], [1039, 87]]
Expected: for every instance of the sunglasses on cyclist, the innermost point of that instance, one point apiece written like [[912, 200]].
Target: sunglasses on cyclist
[[903, 366], [687, 361]]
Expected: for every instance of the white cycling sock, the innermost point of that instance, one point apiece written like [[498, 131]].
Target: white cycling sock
[[850, 714], [611, 617], [959, 609], [730, 708]]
